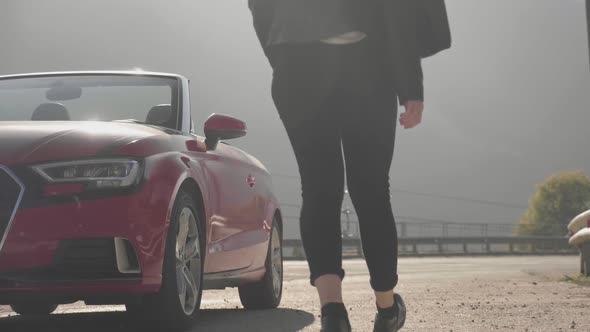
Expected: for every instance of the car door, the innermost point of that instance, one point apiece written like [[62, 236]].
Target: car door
[[235, 226]]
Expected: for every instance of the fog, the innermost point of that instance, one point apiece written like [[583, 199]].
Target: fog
[[506, 107]]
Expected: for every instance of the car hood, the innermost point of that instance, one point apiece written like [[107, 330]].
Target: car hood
[[32, 141]]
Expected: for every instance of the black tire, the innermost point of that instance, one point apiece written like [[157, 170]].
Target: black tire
[[164, 308], [263, 294], [27, 309]]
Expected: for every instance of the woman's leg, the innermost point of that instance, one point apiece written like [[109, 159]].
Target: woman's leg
[[368, 143], [302, 91], [318, 151]]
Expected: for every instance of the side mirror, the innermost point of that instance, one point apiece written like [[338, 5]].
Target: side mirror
[[222, 127]]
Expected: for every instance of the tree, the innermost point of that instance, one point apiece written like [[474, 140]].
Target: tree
[[555, 203]]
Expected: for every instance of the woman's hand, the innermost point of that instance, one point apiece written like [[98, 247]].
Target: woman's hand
[[413, 114]]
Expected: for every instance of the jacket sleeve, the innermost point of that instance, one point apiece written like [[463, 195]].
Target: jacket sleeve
[[262, 15], [403, 49]]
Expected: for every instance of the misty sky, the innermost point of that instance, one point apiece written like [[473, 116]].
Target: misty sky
[[506, 107]]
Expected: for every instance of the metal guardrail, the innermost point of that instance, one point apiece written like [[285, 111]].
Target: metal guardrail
[[437, 246], [420, 228]]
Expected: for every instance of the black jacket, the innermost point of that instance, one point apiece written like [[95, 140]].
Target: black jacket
[[415, 29]]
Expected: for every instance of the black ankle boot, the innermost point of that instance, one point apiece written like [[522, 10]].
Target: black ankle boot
[[335, 318], [395, 323], [335, 324]]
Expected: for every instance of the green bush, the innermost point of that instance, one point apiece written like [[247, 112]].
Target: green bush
[[557, 200]]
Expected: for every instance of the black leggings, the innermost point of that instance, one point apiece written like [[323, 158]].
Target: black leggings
[[340, 115]]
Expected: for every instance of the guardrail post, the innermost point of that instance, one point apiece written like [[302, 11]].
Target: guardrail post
[[298, 251], [403, 233], [585, 259], [445, 230], [403, 229], [359, 249], [511, 246], [440, 246], [464, 247], [415, 248], [488, 246]]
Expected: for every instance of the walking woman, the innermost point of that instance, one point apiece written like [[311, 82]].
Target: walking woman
[[340, 68]]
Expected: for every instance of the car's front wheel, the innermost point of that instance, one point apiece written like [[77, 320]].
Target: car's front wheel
[[267, 293], [34, 308], [177, 303]]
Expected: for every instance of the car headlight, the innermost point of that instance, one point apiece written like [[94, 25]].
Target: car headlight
[[97, 174]]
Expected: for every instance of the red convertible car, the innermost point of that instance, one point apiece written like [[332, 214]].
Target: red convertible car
[[108, 196]]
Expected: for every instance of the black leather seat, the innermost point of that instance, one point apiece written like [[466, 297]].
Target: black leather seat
[[160, 115], [51, 112]]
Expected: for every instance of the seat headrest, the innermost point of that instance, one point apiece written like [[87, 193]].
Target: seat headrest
[[51, 112], [159, 115]]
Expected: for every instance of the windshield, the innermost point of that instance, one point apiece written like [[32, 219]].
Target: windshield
[[148, 99]]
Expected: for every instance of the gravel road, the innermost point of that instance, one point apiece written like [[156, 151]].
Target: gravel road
[[442, 294]]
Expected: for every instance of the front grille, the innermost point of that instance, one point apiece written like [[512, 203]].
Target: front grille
[[10, 193]]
